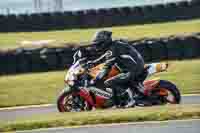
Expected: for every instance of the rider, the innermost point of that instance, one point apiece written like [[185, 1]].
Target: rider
[[125, 57]]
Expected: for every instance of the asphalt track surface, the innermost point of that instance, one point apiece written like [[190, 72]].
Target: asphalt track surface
[[186, 126], [12, 114]]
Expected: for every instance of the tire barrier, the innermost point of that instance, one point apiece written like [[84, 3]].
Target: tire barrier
[[159, 50], [100, 18], [144, 49], [23, 60], [8, 62]]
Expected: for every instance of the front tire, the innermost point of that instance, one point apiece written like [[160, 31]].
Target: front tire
[[64, 102], [68, 101]]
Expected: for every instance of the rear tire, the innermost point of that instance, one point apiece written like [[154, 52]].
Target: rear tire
[[170, 88]]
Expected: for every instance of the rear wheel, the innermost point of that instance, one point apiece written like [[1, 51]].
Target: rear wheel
[[168, 92]]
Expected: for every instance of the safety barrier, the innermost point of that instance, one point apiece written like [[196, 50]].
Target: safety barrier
[[101, 17], [22, 60]]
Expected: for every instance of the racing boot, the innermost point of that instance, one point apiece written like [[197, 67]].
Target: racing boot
[[131, 101], [115, 99]]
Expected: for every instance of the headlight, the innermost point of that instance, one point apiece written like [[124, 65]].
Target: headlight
[[70, 82], [70, 76]]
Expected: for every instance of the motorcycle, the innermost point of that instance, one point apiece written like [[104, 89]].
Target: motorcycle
[[86, 97]]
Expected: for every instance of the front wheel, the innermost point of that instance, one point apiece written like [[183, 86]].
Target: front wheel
[[168, 92], [64, 102], [67, 102]]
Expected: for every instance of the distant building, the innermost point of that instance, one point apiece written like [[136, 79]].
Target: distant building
[[58, 5], [51, 5], [38, 5]]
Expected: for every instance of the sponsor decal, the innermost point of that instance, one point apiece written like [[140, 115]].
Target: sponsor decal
[[100, 92]]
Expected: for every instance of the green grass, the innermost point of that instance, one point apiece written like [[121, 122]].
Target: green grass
[[171, 112], [10, 40], [26, 89], [40, 88]]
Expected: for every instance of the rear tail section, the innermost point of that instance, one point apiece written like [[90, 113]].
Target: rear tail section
[[165, 90], [150, 85], [156, 67]]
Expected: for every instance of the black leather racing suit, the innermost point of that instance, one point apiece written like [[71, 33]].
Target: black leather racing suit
[[129, 62], [119, 53]]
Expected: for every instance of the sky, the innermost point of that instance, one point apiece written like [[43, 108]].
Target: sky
[[27, 6]]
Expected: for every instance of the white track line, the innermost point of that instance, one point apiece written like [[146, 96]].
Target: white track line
[[185, 95], [48, 105], [113, 124], [25, 107]]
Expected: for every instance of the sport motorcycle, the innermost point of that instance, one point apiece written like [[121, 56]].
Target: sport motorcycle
[[79, 95]]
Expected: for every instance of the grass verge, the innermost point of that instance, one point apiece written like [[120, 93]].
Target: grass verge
[[10, 40], [42, 88], [169, 112]]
